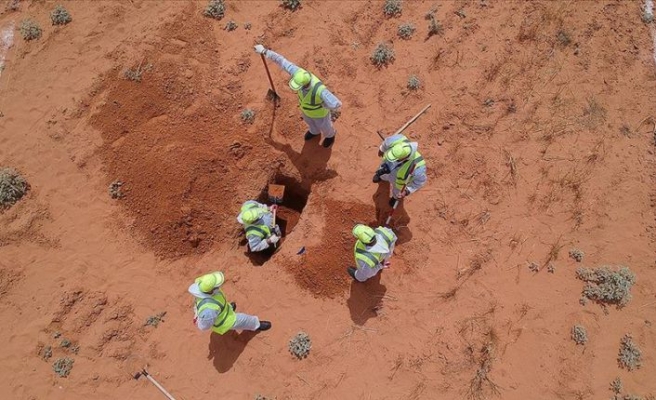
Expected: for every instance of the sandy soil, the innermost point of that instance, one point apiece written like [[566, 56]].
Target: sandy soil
[[536, 142]]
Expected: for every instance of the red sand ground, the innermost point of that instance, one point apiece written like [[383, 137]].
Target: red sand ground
[[534, 146]]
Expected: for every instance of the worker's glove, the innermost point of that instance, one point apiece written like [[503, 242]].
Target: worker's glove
[[277, 230], [386, 264], [273, 239], [392, 201], [334, 115], [260, 49], [273, 207], [401, 194]]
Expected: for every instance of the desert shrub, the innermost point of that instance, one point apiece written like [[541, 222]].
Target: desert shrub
[[576, 255], [579, 335], [434, 26], [248, 116], [65, 343], [300, 345], [406, 31], [60, 16], [606, 286], [291, 4], [563, 38], [413, 82], [262, 397], [115, 190], [30, 30], [392, 8], [154, 320], [630, 356], [534, 267], [215, 9], [231, 26], [616, 385], [248, 26], [63, 366], [12, 187], [46, 353], [382, 55]]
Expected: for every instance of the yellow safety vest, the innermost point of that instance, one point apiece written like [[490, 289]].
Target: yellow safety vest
[[262, 231], [371, 259], [310, 103], [226, 318], [404, 174]]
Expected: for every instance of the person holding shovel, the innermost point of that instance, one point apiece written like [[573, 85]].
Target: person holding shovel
[[402, 166], [317, 103], [212, 310], [259, 224], [372, 251]]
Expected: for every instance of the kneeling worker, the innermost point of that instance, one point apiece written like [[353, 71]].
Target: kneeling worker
[[212, 310], [373, 249], [257, 219]]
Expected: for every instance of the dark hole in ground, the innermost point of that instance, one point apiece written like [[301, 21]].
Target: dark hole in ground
[[289, 212]]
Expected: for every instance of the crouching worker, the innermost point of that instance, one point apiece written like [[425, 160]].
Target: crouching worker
[[212, 310], [259, 225], [373, 250]]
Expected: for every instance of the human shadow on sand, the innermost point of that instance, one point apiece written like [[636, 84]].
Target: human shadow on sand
[[366, 299], [400, 218], [311, 162], [225, 349]]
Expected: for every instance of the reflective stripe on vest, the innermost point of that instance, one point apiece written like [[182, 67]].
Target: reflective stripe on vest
[[214, 303], [310, 103], [403, 175], [372, 259], [261, 231]]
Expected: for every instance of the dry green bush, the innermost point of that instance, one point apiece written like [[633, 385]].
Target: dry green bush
[[60, 16], [607, 286], [382, 55], [30, 30], [215, 9], [12, 187]]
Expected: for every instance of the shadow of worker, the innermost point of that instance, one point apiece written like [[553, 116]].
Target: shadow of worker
[[225, 349], [366, 299], [400, 218]]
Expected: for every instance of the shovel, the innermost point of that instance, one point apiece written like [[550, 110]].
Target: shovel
[[271, 94], [153, 381], [276, 193]]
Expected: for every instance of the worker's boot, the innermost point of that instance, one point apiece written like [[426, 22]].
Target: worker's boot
[[376, 178], [351, 271], [234, 306], [264, 326], [327, 142], [309, 136]]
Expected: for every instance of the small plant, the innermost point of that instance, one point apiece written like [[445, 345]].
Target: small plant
[[133, 74], [534, 267], [65, 343], [383, 55], [75, 349], [551, 269], [154, 320], [461, 13], [12, 187], [606, 286], [46, 353], [115, 190], [215, 9], [291, 4], [413, 82], [625, 130], [630, 356], [231, 26], [488, 102], [300, 345], [30, 30], [563, 38], [434, 26], [406, 31], [248, 116], [576, 255], [392, 8], [616, 385], [56, 335], [60, 16], [63, 366], [579, 335], [261, 397], [13, 5], [248, 26]]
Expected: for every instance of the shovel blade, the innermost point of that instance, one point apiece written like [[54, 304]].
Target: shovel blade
[[276, 193]]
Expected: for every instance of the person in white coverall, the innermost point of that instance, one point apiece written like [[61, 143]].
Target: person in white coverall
[[212, 310], [402, 166], [257, 219], [372, 251], [317, 103]]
